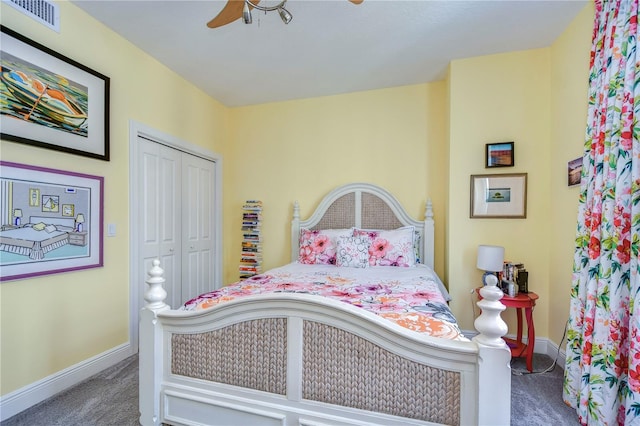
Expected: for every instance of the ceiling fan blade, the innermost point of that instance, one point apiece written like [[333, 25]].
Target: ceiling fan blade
[[231, 11], [356, 1]]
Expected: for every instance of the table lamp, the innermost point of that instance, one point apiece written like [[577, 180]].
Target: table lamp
[[17, 213], [490, 260], [79, 221]]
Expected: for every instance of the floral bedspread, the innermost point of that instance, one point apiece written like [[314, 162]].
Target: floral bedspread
[[410, 297]]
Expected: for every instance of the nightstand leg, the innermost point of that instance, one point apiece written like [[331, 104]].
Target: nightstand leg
[[519, 315], [531, 335]]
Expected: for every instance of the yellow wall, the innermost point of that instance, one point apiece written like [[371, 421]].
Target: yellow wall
[[536, 98], [416, 141], [499, 98], [56, 321], [300, 150], [569, 85]]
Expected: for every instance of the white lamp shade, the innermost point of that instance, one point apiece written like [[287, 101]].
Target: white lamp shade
[[17, 212], [80, 218], [490, 258]]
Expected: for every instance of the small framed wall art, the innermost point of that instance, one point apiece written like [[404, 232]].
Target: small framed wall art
[[51, 101], [499, 154], [574, 172], [499, 196]]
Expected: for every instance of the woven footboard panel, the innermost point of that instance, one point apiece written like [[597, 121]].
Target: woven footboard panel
[[344, 369], [251, 354]]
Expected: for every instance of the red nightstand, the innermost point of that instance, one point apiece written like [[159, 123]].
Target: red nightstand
[[521, 301]]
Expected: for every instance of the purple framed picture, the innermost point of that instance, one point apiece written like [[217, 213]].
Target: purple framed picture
[[51, 221]]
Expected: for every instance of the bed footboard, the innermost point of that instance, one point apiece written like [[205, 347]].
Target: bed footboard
[[292, 359]]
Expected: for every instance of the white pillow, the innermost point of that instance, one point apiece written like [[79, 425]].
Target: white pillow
[[391, 247], [353, 252], [39, 226], [50, 228], [318, 247]]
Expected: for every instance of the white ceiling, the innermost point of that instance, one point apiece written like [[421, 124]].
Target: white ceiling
[[330, 46]]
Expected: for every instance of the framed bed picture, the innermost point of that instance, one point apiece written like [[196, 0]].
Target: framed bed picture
[[61, 232], [499, 154], [499, 196], [51, 101]]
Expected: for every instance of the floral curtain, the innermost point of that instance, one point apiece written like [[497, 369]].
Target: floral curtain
[[602, 373]]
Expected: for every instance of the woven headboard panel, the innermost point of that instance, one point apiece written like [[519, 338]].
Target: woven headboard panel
[[340, 214], [366, 206], [376, 214], [344, 369]]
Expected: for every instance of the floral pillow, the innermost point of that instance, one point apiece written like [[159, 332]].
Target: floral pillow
[[390, 248], [319, 247], [353, 252]]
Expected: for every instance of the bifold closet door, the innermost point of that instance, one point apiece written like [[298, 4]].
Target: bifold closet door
[[176, 217], [198, 226], [159, 215]]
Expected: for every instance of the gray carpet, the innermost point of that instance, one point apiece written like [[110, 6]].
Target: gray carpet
[[536, 399], [111, 399]]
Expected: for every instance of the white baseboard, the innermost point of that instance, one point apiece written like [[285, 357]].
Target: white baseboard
[[23, 398], [554, 353], [543, 346]]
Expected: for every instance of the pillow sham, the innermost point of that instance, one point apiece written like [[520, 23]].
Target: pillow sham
[[353, 252], [318, 247], [417, 241], [50, 228], [39, 226], [390, 247]]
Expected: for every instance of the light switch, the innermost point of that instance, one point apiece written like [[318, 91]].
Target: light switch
[[111, 230]]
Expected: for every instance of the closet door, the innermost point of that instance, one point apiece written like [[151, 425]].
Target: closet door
[[159, 215], [197, 226]]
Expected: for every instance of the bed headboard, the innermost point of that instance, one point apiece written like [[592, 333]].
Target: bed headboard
[[366, 206]]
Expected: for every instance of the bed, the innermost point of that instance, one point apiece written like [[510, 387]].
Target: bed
[[37, 237], [298, 357]]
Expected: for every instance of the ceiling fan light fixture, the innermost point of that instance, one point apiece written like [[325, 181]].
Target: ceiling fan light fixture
[[248, 5], [246, 13], [285, 15]]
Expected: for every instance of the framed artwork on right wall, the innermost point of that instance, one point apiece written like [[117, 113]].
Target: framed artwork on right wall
[[499, 155], [574, 172], [499, 196]]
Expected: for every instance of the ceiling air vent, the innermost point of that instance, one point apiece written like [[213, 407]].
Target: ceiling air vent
[[45, 12]]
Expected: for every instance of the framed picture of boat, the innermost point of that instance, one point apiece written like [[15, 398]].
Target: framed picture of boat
[[51, 101]]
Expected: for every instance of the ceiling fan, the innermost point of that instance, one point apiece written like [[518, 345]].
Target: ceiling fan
[[235, 9]]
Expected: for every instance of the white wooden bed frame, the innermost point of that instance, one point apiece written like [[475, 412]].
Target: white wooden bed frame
[[304, 369]]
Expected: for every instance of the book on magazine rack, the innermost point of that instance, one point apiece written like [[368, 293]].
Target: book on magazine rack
[[251, 254]]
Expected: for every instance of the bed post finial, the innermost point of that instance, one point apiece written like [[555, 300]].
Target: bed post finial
[[155, 294], [150, 351], [490, 324], [493, 361], [295, 231], [428, 211], [296, 210], [429, 236]]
